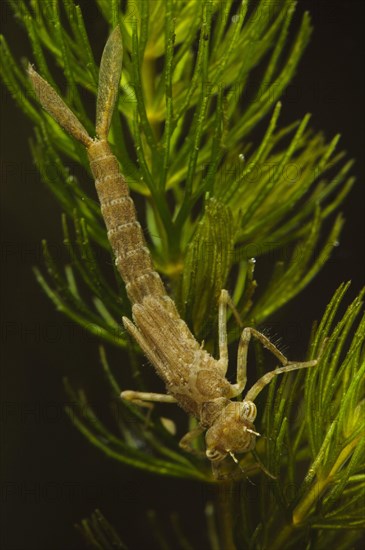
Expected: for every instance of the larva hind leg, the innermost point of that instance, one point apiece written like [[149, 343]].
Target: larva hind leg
[[266, 379]]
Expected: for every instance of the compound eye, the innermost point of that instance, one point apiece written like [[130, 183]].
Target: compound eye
[[249, 410], [214, 455]]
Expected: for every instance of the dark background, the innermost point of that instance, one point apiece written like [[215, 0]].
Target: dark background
[[51, 476]]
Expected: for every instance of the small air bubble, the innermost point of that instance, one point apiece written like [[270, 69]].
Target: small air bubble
[[252, 260], [336, 243], [242, 158]]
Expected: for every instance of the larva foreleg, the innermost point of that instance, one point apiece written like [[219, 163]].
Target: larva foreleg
[[247, 333], [241, 377], [141, 397], [266, 379]]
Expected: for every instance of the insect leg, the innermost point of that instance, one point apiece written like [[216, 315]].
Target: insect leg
[[242, 363], [185, 442], [266, 379], [241, 375], [222, 331], [224, 301], [141, 398], [288, 365], [146, 399], [261, 465]]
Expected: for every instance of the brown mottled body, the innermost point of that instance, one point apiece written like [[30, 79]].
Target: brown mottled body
[[194, 379], [154, 313], [132, 256]]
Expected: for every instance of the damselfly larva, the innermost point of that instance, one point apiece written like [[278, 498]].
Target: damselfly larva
[[193, 378]]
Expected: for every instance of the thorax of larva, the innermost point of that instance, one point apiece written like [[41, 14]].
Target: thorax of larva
[[203, 389]]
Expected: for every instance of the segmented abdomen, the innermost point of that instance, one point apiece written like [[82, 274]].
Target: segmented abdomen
[[132, 256]]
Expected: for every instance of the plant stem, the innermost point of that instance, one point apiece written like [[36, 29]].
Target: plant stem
[[224, 510], [149, 76], [301, 511]]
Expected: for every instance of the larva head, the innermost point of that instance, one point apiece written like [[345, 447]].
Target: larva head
[[233, 432]]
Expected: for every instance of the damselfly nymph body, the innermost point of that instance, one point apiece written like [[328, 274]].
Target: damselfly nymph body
[[194, 378]]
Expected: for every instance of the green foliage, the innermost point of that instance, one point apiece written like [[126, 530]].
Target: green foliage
[[199, 77], [329, 494], [188, 108], [322, 436], [325, 435], [99, 534]]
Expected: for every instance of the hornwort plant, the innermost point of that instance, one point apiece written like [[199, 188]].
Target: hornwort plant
[[189, 123]]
